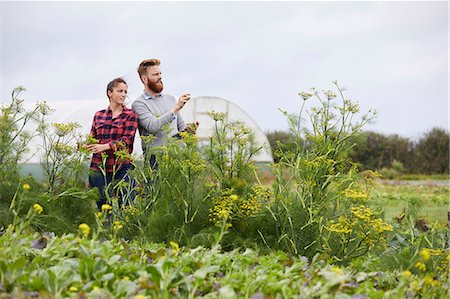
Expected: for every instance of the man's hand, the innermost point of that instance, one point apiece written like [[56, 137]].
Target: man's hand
[[181, 101]]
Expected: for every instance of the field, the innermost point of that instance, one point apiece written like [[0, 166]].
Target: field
[[429, 199], [208, 223]]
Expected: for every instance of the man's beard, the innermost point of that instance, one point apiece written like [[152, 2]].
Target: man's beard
[[155, 86]]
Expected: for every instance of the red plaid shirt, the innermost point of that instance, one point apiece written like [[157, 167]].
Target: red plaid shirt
[[118, 132]]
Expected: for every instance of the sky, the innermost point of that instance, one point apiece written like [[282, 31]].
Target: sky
[[391, 57]]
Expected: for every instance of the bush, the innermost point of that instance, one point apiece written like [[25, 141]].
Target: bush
[[432, 152]]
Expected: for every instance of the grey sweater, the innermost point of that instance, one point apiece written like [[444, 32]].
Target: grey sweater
[[156, 118]]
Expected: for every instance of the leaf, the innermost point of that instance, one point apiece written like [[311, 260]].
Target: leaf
[[227, 292], [361, 276], [202, 272], [154, 273], [99, 268], [18, 264], [125, 288], [115, 258], [88, 286], [107, 277]]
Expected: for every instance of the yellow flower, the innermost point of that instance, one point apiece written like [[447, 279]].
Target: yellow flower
[[217, 116], [421, 266], [435, 251], [425, 254], [73, 289], [428, 280], [223, 209], [330, 95], [26, 187], [339, 228], [175, 247], [436, 283], [406, 274], [98, 214], [415, 285], [38, 208], [343, 226], [117, 225], [85, 229], [62, 129], [106, 207], [139, 297], [337, 270], [370, 175], [305, 95], [379, 226], [362, 212], [353, 194], [233, 197]]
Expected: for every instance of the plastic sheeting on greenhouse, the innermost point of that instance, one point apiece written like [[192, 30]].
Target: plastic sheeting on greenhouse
[[196, 109]]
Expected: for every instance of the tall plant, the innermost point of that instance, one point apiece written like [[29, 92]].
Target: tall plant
[[231, 150], [311, 177], [14, 132], [61, 209], [237, 196], [62, 162], [170, 200], [192, 191], [181, 174]]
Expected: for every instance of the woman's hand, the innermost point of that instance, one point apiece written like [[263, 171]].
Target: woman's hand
[[98, 148]]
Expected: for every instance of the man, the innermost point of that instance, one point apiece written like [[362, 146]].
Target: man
[[158, 113]]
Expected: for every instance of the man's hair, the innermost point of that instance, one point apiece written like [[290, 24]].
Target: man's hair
[[113, 84], [145, 64]]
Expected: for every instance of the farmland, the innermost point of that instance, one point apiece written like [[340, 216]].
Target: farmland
[[208, 224]]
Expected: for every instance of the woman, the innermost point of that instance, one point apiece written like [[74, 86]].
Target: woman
[[114, 128]]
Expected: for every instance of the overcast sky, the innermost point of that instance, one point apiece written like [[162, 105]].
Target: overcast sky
[[390, 56]]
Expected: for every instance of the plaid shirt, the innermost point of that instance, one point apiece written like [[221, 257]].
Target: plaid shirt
[[118, 132]]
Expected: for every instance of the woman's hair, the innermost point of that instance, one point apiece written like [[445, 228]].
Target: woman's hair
[[145, 64], [113, 84]]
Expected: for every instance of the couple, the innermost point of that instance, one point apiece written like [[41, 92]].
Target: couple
[[115, 127]]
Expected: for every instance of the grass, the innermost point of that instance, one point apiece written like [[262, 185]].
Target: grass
[[430, 202]]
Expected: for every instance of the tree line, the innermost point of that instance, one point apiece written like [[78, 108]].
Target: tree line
[[429, 154]]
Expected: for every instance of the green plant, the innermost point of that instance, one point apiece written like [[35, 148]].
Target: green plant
[[355, 233], [14, 137], [64, 160], [74, 265], [170, 200], [230, 152], [311, 177], [280, 141], [15, 121], [174, 199]]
